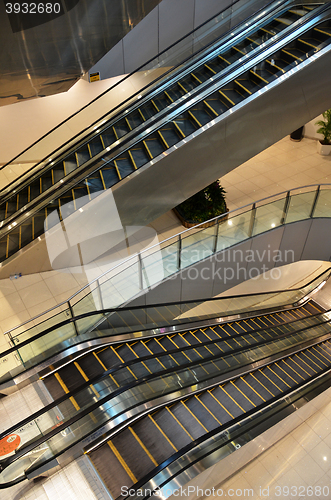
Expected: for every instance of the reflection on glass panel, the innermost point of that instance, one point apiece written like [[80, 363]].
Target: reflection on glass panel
[[41, 347], [121, 287], [233, 231], [323, 205], [268, 216], [160, 264], [197, 246], [300, 207]]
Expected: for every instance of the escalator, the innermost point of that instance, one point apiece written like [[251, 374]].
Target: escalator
[[163, 436], [150, 372], [236, 68], [184, 346]]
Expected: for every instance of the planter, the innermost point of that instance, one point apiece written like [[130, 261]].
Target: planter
[[190, 223], [323, 149]]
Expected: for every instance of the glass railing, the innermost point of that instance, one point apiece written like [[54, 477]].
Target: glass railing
[[210, 449], [41, 342], [135, 275], [117, 391], [145, 76]]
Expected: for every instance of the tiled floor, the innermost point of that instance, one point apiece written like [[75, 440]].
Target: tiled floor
[[297, 466], [283, 166]]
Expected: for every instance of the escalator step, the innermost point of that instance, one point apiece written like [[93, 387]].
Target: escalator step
[[124, 165], [155, 145], [110, 176], [113, 475], [108, 137], [172, 428], [140, 157], [135, 119], [83, 155], [70, 164], [96, 145], [121, 128], [129, 449], [58, 173]]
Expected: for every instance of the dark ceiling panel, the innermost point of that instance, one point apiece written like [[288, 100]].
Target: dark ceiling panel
[[43, 53]]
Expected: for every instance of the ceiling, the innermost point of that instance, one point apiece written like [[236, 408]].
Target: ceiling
[[46, 53]]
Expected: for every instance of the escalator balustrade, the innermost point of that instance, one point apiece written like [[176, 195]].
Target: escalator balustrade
[[110, 171], [152, 440]]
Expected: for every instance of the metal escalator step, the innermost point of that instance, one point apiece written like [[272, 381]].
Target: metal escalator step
[[233, 96], [13, 242], [11, 207], [148, 110], [153, 439], [257, 385], [124, 165], [108, 137], [155, 145], [26, 233], [161, 101], [3, 248], [108, 358], [309, 42], [172, 428], [130, 449], [229, 405], [215, 405], [125, 352], [140, 157], [234, 390], [185, 125], [159, 345], [204, 414], [175, 92], [58, 172], [267, 382], [96, 145], [54, 387], [46, 182], [83, 155], [94, 184], [169, 135], [121, 128], [112, 473], [201, 115], [275, 379], [90, 366], [34, 189], [291, 54], [188, 420], [71, 376], [70, 164], [202, 74], [189, 83], [135, 119], [110, 176]]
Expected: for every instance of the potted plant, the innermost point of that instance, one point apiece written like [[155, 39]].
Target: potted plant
[[324, 146], [204, 205]]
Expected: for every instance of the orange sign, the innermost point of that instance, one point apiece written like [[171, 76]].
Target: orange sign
[[9, 444]]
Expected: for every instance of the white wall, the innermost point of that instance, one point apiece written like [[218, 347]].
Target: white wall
[[164, 25]]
